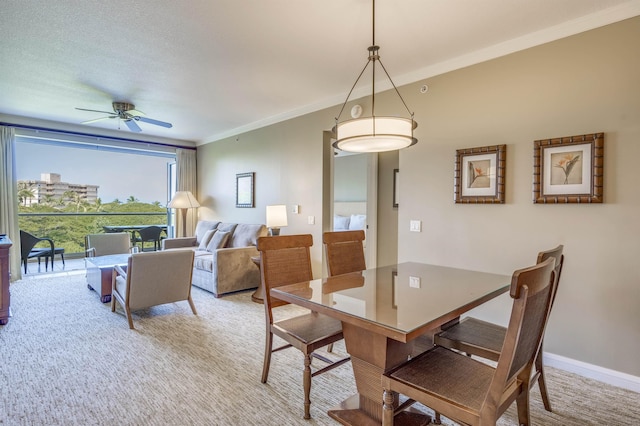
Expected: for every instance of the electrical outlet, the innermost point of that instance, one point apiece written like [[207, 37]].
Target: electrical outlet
[[415, 226], [414, 282], [311, 220], [295, 209]]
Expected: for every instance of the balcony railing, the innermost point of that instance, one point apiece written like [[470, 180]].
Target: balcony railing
[[69, 229]]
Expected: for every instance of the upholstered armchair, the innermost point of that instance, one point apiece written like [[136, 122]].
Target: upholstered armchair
[[105, 244], [153, 278]]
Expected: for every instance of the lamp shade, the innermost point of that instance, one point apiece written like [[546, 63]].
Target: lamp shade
[[375, 134], [183, 200], [276, 216]]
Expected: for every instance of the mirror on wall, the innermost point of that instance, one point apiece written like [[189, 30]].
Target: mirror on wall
[[363, 198]]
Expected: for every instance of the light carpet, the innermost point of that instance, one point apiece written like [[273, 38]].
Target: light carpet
[[66, 359]]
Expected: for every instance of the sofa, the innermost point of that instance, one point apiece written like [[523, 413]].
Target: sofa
[[222, 255]]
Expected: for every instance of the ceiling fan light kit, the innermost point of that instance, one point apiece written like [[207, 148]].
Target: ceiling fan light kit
[[127, 112], [374, 133]]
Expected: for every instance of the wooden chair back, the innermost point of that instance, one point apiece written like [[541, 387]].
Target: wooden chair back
[[555, 253], [284, 259], [344, 251], [532, 291]]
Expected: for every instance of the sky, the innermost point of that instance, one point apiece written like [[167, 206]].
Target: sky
[[118, 175]]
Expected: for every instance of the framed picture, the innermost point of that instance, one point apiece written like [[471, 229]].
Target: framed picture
[[568, 169], [396, 184], [479, 175], [244, 190]]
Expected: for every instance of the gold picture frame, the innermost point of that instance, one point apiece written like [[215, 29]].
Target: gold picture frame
[[569, 169], [479, 175]]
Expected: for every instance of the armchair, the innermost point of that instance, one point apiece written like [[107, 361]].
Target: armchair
[[105, 244], [153, 278]]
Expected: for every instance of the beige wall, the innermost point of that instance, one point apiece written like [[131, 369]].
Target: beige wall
[[583, 84]]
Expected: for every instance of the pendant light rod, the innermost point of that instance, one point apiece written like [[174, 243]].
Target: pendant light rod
[[374, 133], [373, 56]]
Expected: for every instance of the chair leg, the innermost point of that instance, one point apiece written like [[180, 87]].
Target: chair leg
[[330, 347], [128, 312], [387, 407], [306, 382], [267, 356], [542, 384], [522, 402], [113, 303], [193, 307]]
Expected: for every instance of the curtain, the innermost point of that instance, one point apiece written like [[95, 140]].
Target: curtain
[[9, 198], [186, 181]]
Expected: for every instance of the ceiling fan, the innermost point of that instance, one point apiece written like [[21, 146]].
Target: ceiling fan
[[127, 113]]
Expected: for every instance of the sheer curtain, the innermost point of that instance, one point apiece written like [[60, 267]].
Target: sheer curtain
[[187, 181], [9, 198]]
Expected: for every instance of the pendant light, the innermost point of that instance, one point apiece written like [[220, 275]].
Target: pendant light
[[374, 133]]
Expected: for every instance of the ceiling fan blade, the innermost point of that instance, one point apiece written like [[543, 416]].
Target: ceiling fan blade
[[156, 122], [98, 119], [132, 125], [95, 110]]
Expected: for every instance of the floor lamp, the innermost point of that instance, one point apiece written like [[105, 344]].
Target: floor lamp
[[183, 200]]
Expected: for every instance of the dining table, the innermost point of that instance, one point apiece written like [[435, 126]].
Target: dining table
[[384, 311]]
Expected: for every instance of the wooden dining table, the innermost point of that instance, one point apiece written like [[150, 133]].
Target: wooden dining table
[[383, 312]]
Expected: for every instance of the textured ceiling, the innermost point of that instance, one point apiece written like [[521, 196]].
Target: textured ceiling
[[214, 68]]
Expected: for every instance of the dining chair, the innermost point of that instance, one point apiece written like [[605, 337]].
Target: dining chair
[[27, 250], [286, 260], [467, 390], [485, 339], [151, 279], [150, 234], [344, 251]]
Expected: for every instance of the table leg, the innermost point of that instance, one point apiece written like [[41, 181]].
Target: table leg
[[371, 355]]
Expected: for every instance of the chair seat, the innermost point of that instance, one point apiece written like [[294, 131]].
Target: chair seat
[[474, 336], [312, 329], [447, 375], [38, 252]]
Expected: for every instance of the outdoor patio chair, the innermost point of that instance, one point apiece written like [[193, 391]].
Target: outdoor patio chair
[[27, 250], [150, 234]]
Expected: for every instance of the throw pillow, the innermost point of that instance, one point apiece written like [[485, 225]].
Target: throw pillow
[[206, 238], [357, 221], [218, 240], [340, 222]]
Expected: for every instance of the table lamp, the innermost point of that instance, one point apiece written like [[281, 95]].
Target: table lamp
[[276, 217], [183, 200]]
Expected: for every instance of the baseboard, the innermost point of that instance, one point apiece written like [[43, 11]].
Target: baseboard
[[605, 375]]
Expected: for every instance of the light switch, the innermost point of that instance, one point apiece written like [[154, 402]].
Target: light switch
[[415, 226], [295, 209], [414, 282], [311, 220]]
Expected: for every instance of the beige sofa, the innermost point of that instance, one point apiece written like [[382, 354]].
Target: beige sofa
[[223, 253]]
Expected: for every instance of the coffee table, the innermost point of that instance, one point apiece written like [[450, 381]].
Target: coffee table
[[100, 271]]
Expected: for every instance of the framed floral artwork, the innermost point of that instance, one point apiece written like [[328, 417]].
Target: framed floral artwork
[[479, 175], [568, 169]]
